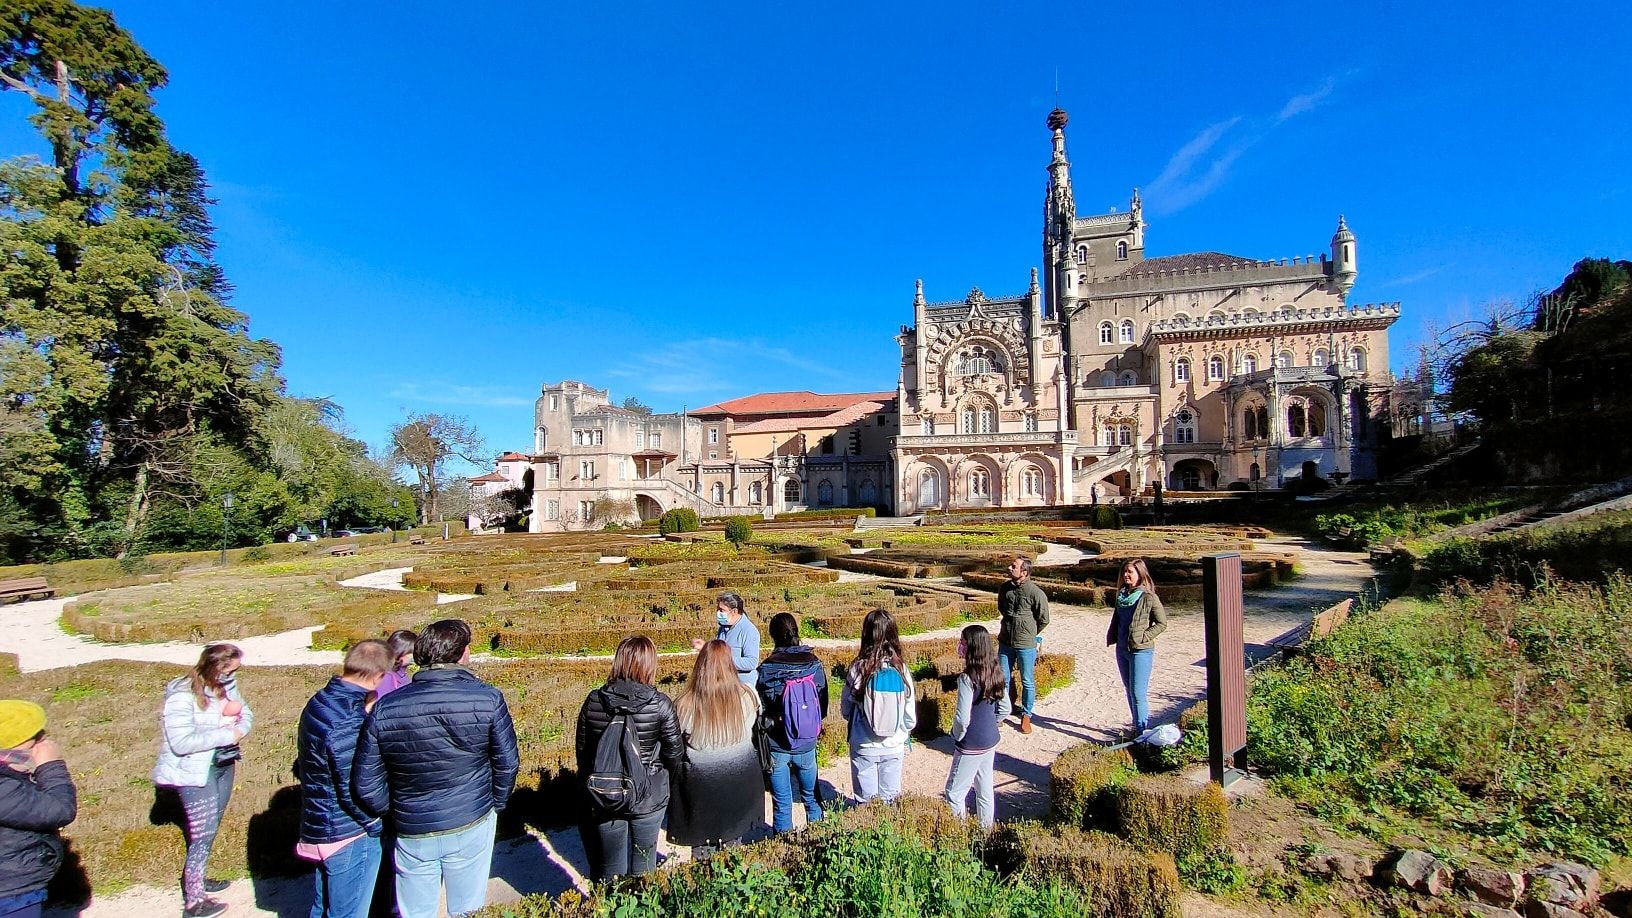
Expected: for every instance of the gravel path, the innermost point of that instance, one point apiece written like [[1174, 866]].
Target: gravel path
[[1093, 707]]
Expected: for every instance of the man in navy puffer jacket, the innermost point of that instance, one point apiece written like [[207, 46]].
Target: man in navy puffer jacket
[[334, 830], [439, 754]]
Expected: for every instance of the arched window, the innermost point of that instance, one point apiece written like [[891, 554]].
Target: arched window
[[1255, 472], [1128, 378], [966, 419], [1357, 359], [1249, 363], [988, 420], [1124, 435], [1107, 378], [1082, 254], [929, 488], [929, 427], [1031, 481], [1216, 316], [1121, 250], [1184, 426], [1031, 421], [1321, 358], [1284, 360], [1249, 424], [718, 492], [980, 483], [756, 494], [1296, 422], [1106, 333], [1215, 368], [1181, 370], [1263, 422], [1127, 331], [790, 491], [1317, 419], [867, 493], [977, 361], [824, 493]]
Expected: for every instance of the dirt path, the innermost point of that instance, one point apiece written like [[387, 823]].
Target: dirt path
[[1093, 707]]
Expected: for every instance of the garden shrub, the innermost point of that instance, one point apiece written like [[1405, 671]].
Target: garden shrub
[[1115, 879], [1104, 516], [1080, 779], [680, 519], [1170, 813], [738, 530]]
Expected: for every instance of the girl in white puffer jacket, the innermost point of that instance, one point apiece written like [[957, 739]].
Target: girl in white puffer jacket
[[204, 719]]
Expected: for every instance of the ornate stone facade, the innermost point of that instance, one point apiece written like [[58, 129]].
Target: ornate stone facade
[[1116, 372]]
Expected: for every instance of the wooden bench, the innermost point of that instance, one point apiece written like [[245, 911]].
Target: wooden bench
[[417, 540], [25, 588], [340, 550], [1323, 624]]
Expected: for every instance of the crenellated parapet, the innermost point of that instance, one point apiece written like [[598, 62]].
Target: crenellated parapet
[[1288, 320], [1236, 274]]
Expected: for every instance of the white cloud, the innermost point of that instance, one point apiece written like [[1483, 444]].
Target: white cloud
[[456, 394], [1306, 102], [1424, 274], [705, 365]]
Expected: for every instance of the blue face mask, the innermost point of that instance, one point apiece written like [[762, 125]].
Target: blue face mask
[[723, 619]]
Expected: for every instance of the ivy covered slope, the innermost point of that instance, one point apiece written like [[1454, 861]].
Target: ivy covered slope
[[131, 395]]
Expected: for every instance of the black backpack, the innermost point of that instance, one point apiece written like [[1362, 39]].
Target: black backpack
[[618, 783]]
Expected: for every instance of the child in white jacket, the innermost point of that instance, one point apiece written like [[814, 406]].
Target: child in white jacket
[[881, 708]]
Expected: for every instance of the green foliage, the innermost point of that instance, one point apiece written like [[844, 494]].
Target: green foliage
[[1105, 516], [1499, 712], [1215, 872], [680, 519], [1172, 814], [1589, 550], [738, 530]]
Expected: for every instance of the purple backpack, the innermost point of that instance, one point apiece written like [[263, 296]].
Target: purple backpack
[[801, 711]]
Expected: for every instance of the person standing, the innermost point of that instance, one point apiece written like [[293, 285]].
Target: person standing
[[1138, 620], [36, 800], [401, 644], [983, 700], [335, 832], [793, 695], [1023, 608], [739, 633], [204, 720], [719, 791], [625, 842], [879, 705], [439, 756]]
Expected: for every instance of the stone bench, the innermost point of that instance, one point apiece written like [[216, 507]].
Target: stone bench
[[25, 588], [342, 550], [417, 540]]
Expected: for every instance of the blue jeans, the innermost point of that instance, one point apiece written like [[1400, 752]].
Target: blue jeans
[[802, 765], [1028, 673], [460, 859], [1134, 665], [344, 884]]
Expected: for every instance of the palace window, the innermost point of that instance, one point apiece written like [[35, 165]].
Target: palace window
[[967, 419], [713, 436], [552, 471], [552, 509], [1124, 435], [1031, 481], [929, 488], [790, 491], [868, 492], [1317, 419], [980, 483], [1284, 360], [1249, 363], [586, 469], [1184, 426], [1321, 358], [1181, 370], [1215, 368], [1082, 254], [827, 445], [640, 439], [1107, 334], [1031, 422], [1121, 250], [655, 441], [586, 511], [1127, 331], [929, 427], [977, 361], [1128, 378], [756, 494], [824, 493], [555, 403], [988, 420], [1357, 359], [717, 492], [1297, 423]]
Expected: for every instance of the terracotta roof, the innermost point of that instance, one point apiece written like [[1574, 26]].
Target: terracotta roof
[[490, 476], [839, 418], [803, 402], [1187, 262], [854, 413], [653, 454], [514, 457]]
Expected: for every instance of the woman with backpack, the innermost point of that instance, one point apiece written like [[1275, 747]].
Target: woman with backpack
[[878, 703], [628, 747], [1138, 619], [793, 692], [720, 791], [983, 700], [204, 720]]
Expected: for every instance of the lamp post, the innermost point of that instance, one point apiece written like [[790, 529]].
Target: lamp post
[[393, 521], [226, 525]]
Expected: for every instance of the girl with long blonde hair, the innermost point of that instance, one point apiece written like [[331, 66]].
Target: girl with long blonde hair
[[721, 790]]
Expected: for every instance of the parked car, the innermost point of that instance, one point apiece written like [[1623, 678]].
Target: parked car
[[300, 534], [356, 531]]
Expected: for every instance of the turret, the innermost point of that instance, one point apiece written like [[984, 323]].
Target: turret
[[1059, 219], [1344, 266]]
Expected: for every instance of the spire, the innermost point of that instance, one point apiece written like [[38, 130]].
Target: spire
[[1032, 290], [1059, 217]]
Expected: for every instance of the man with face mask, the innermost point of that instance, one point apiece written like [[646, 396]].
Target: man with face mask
[[736, 630]]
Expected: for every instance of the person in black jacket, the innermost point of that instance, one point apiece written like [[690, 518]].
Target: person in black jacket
[[439, 757], [790, 760], [619, 845], [36, 799], [334, 830]]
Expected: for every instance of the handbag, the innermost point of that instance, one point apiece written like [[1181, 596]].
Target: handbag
[[226, 755]]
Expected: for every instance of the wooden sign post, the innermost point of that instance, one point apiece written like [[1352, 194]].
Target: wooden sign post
[[1226, 668]]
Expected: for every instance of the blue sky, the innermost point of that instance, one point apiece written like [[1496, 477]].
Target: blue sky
[[438, 207]]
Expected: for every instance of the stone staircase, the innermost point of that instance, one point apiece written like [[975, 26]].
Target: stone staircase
[[864, 523], [1411, 477]]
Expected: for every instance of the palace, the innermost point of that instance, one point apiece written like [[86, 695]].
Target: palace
[[1115, 372], [1111, 375]]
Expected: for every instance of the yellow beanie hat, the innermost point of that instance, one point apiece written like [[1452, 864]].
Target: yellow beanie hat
[[20, 721]]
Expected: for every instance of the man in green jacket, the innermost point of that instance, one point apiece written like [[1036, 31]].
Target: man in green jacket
[[1024, 611]]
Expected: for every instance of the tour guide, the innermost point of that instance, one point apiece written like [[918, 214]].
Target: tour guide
[[1024, 611], [738, 632]]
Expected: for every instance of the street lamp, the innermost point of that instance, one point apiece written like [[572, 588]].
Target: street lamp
[[226, 525], [393, 521]]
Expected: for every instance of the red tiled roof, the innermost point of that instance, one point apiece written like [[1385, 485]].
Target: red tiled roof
[[652, 454], [840, 418], [514, 457], [803, 402], [490, 476], [1187, 262]]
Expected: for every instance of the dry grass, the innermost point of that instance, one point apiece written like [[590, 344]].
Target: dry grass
[[1116, 879]]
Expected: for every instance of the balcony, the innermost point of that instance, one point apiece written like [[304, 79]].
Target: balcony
[[1040, 438]]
